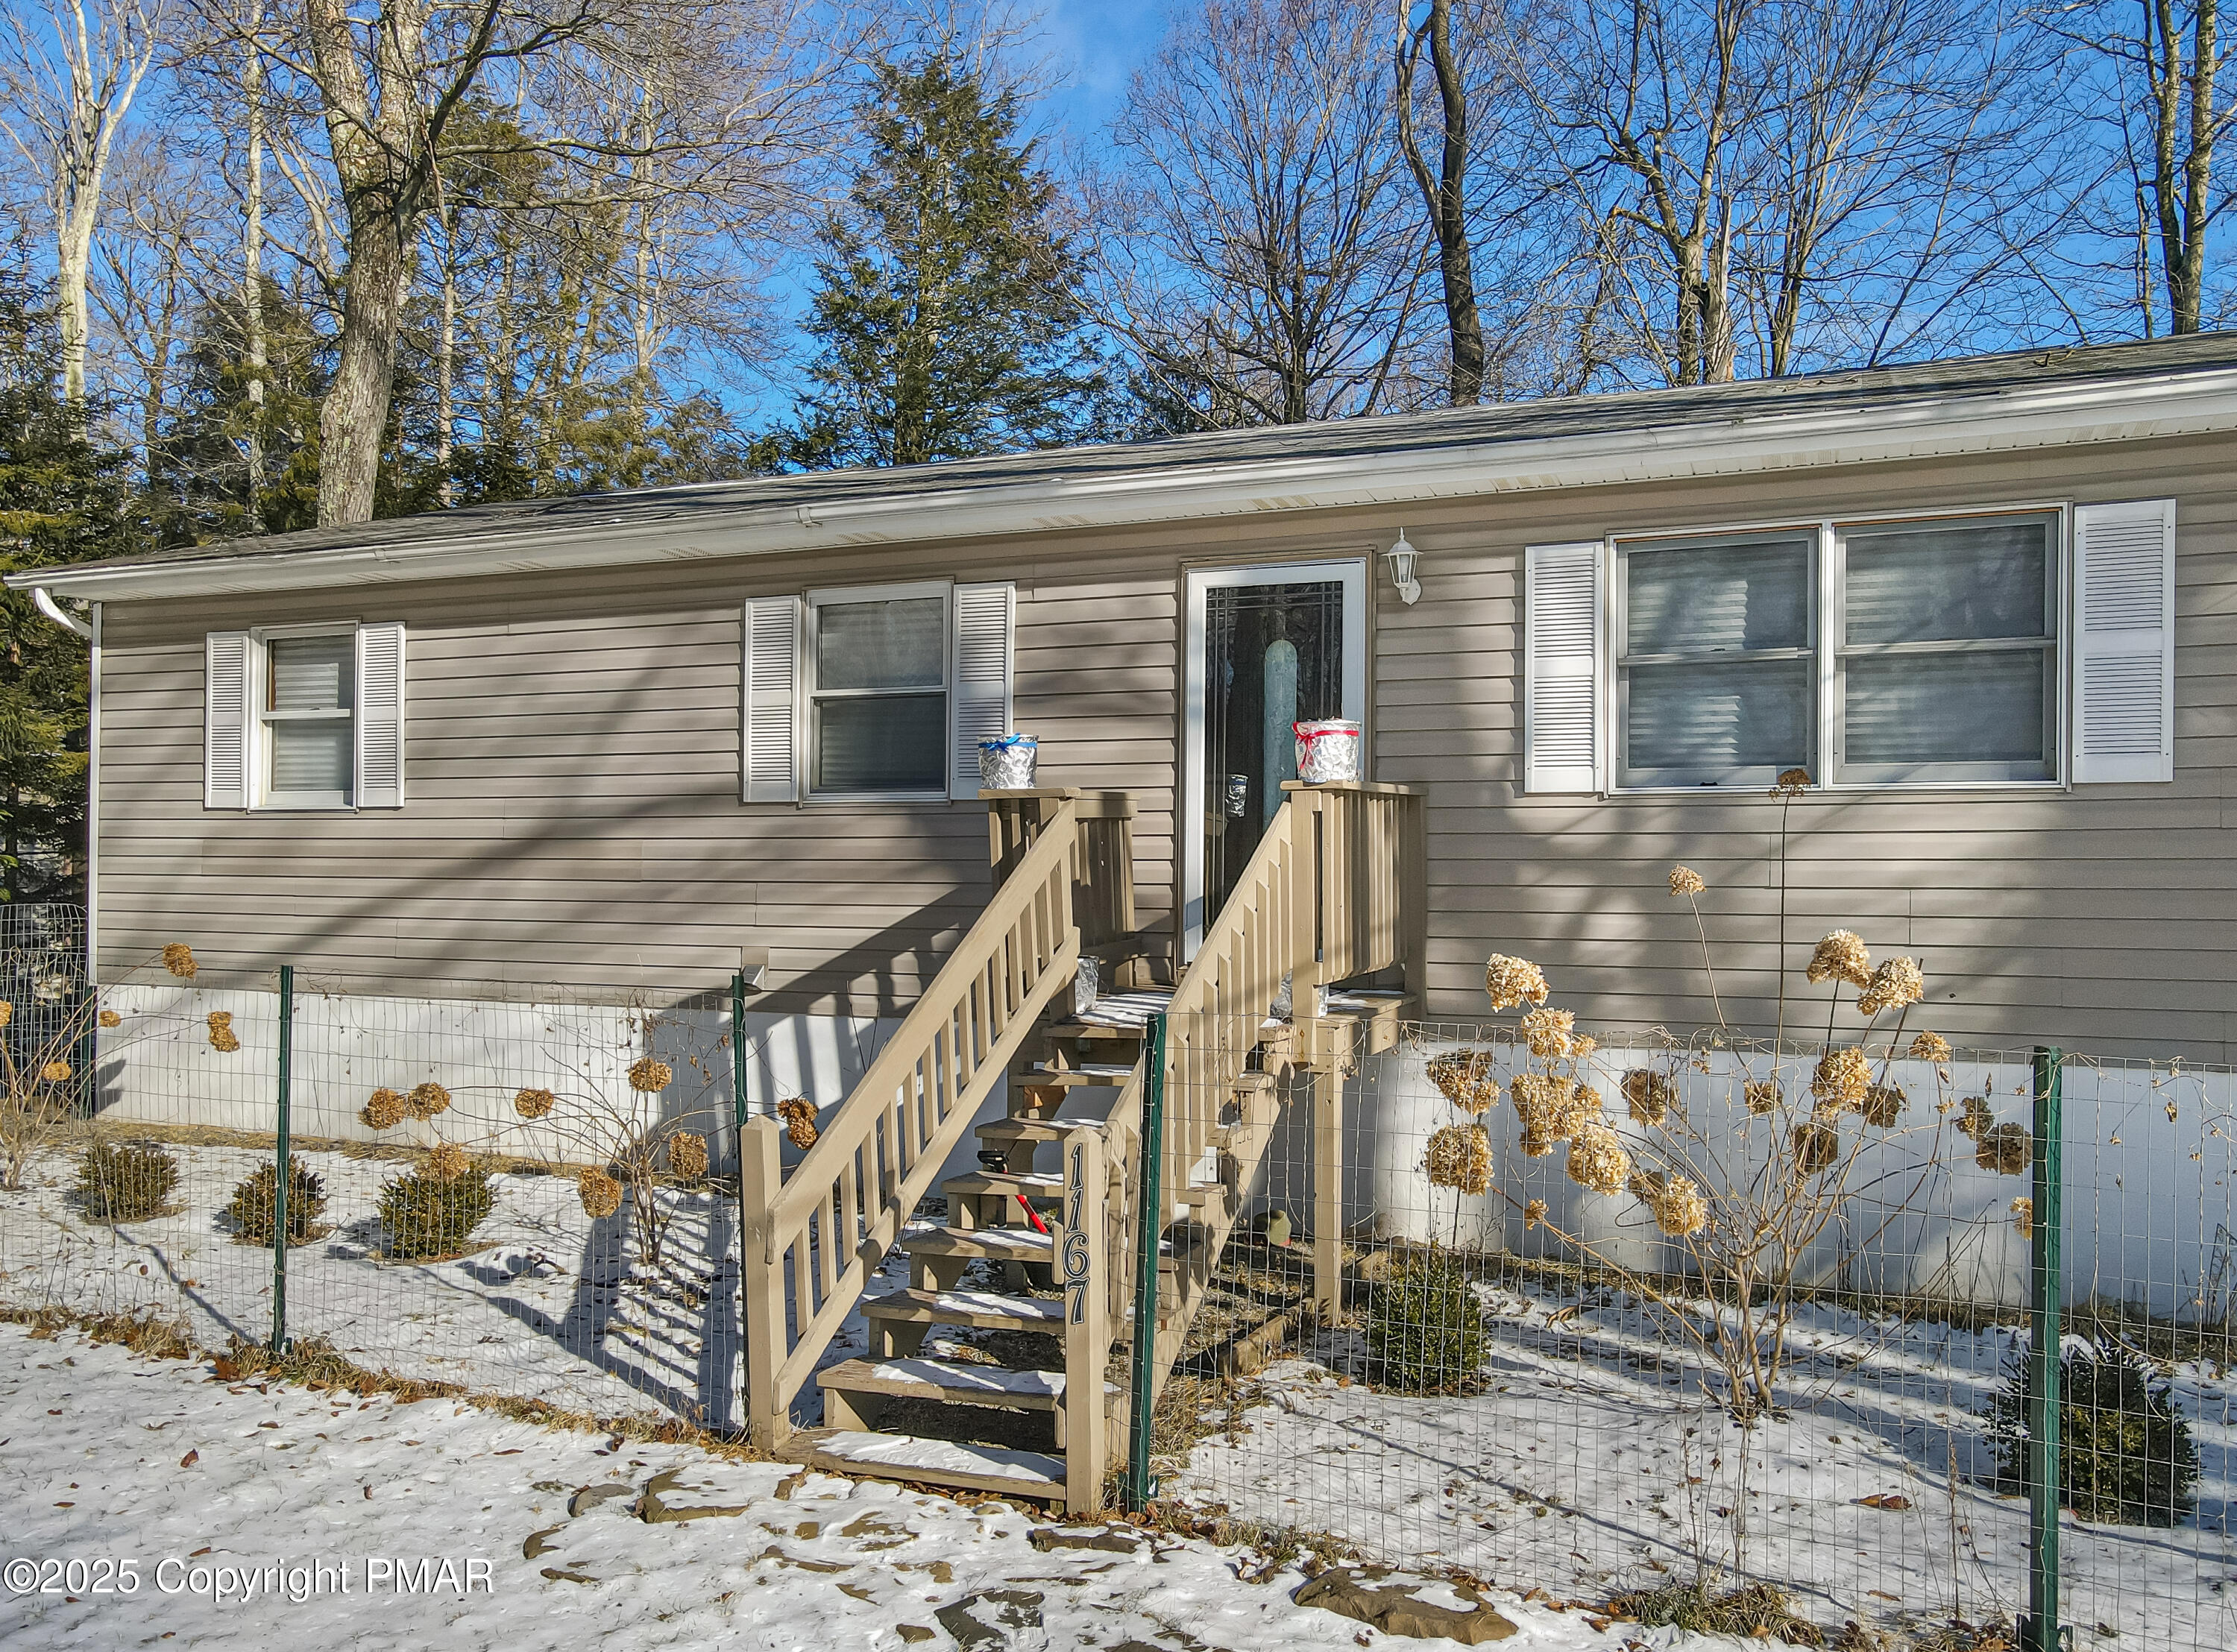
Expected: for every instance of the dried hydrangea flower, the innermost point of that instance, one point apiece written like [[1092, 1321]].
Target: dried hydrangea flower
[[1976, 1119], [2023, 1217], [1930, 1046], [650, 1076], [1511, 981], [1597, 1158], [221, 1035], [384, 1110], [1547, 1031], [1763, 1095], [1791, 783], [107, 1017], [56, 1072], [1581, 1047], [2008, 1150], [600, 1194], [1678, 1208], [427, 1100], [1649, 1095], [1898, 981], [1684, 880], [1533, 1213], [1816, 1147], [448, 1162], [687, 1155], [1841, 957], [798, 1115], [1464, 1077], [534, 1104], [179, 959], [7, 1012], [1459, 1158], [1841, 1081], [1884, 1105]]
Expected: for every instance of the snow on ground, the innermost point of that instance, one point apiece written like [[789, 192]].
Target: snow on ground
[[548, 1303], [1591, 1461], [111, 1456]]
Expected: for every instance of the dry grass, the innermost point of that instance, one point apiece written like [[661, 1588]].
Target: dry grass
[[1757, 1612], [143, 1333]]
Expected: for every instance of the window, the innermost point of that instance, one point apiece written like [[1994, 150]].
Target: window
[[1948, 666], [877, 709], [1943, 664], [1715, 679], [307, 716]]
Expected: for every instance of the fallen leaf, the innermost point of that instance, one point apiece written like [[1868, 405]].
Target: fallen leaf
[[190, 1459], [1893, 1502]]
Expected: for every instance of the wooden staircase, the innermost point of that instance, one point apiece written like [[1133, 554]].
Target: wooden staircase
[[975, 1370]]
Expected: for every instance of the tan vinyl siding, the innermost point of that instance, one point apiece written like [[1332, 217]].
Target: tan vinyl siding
[[572, 813]]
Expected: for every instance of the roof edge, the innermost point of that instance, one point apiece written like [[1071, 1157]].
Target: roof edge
[[2157, 404]]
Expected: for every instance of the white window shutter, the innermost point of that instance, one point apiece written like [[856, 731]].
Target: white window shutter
[[1562, 632], [979, 700], [225, 721], [771, 719], [379, 716], [2124, 641]]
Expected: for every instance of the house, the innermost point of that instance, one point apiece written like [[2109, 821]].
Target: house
[[609, 741], [638, 747]]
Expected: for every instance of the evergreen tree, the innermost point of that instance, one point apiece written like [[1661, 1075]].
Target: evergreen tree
[[948, 314], [62, 500]]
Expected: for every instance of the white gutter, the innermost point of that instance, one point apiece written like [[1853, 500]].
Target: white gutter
[[44, 602], [2160, 405]]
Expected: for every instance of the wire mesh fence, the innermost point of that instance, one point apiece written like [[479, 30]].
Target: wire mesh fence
[[533, 1199], [1733, 1329], [1728, 1336]]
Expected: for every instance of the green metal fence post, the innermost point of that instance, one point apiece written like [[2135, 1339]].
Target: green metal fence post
[[2039, 1628], [279, 1165], [1145, 1272]]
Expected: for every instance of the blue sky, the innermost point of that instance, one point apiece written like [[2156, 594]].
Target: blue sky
[[1097, 44]]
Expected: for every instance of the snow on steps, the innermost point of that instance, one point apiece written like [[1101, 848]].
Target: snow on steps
[[983, 1309], [951, 1380], [905, 1456]]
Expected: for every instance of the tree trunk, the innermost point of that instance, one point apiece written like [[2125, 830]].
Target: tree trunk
[[1445, 193], [356, 412], [252, 265]]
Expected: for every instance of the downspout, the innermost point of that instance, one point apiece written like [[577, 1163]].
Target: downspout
[[59, 614], [90, 630]]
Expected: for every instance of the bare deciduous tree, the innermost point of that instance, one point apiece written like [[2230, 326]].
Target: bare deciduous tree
[[68, 72], [1260, 257]]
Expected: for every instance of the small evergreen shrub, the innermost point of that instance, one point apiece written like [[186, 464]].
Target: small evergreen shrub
[[125, 1181], [1425, 1329], [251, 1209], [426, 1215], [2125, 1453]]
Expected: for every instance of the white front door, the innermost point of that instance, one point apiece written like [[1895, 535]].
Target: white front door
[[1263, 647]]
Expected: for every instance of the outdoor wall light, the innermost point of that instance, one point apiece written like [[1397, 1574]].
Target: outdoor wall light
[[1402, 557]]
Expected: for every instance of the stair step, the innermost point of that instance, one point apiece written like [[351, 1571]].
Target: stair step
[[1088, 1072], [982, 1310], [1039, 1184], [1025, 1129], [905, 1456], [949, 1380], [1132, 1008], [1095, 1029], [993, 1244]]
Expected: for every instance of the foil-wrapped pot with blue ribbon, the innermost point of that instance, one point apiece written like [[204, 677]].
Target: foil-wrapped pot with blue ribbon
[[1008, 764]]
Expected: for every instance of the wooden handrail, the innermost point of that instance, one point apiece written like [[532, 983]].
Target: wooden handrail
[[813, 1237]]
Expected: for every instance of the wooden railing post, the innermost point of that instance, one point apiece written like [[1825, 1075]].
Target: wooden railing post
[[760, 1275], [1414, 900], [1086, 1328], [1327, 1082]]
